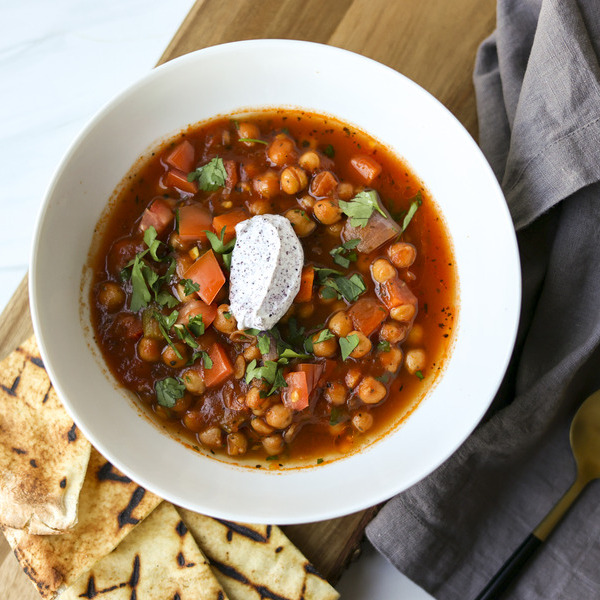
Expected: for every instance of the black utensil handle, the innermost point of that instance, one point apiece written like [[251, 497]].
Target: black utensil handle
[[507, 572]]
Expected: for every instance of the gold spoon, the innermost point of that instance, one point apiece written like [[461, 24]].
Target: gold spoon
[[585, 444]]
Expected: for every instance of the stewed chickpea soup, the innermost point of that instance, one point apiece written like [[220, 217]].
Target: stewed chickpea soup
[[276, 287]]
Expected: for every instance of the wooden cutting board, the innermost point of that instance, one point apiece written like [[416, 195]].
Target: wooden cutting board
[[431, 41]]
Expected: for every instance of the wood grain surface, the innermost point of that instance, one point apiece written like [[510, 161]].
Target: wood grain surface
[[431, 41]]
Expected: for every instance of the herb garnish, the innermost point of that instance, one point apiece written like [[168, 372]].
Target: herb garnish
[[384, 346], [419, 374], [361, 207], [189, 286], [168, 391], [329, 150], [218, 245], [414, 205], [348, 344], [206, 359], [343, 255], [253, 140], [349, 288], [337, 415], [210, 176]]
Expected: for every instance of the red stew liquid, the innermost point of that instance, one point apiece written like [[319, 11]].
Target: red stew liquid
[[367, 334]]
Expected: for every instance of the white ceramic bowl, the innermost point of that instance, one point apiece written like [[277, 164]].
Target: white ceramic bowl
[[272, 73]]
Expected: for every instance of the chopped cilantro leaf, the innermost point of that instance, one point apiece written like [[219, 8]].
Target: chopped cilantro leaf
[[206, 359], [267, 372], [264, 343], [273, 457], [384, 346], [290, 353], [168, 391], [319, 461], [253, 140], [343, 255], [185, 335], [336, 416], [349, 288], [323, 336], [189, 286], [210, 176], [420, 375], [361, 207], [217, 243], [165, 323], [196, 325], [348, 344], [329, 150], [414, 205], [140, 296]]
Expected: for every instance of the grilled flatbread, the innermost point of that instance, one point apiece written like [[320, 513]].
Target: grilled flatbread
[[110, 505], [158, 560], [43, 456], [253, 562]]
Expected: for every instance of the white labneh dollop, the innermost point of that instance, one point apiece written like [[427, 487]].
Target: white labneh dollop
[[266, 268]]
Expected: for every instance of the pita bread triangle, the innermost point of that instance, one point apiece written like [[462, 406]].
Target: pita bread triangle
[[43, 456]]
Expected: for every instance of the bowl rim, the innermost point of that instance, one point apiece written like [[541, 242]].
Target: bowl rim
[[352, 504]]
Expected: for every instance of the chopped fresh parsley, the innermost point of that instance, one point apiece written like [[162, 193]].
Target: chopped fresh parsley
[[267, 372], [189, 286], [210, 176], [323, 335], [384, 346], [168, 391], [165, 323], [361, 207], [414, 205], [295, 333], [329, 150], [290, 353], [273, 457], [349, 288], [184, 334], [227, 315], [153, 244], [196, 325], [220, 247], [264, 343], [337, 415], [348, 344], [385, 378], [253, 140], [343, 255], [319, 461], [420, 375]]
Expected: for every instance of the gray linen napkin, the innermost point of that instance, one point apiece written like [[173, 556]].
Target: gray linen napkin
[[537, 80]]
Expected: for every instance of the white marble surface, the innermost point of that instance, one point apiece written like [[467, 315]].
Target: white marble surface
[[60, 61]]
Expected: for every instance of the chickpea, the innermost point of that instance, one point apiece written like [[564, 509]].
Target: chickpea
[[194, 381], [416, 335], [267, 184], [171, 359], [282, 151], [335, 393], [340, 323], [352, 377], [302, 224], [305, 310], [194, 420], [393, 332], [252, 353], [278, 416], [227, 204], [211, 437], [293, 180], [224, 321], [327, 211], [237, 444], [239, 367], [402, 254], [403, 313], [335, 230], [179, 244], [254, 400], [362, 421], [416, 360], [323, 184], [259, 207], [111, 296], [248, 130], [149, 349], [273, 444], [364, 345], [182, 404], [310, 161], [261, 427], [345, 190], [391, 360], [327, 348], [306, 202], [371, 391], [382, 270]]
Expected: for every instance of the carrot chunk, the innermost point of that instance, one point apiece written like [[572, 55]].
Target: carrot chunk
[[295, 395], [221, 366], [306, 285], [182, 157], [367, 315], [178, 179], [229, 221], [158, 215], [394, 292], [366, 166], [194, 221], [207, 273]]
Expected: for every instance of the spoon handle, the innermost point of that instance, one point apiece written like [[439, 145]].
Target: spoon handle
[[507, 572]]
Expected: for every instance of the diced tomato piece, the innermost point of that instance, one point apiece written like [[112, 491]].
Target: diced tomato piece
[[158, 215], [207, 273], [367, 315], [366, 166], [221, 366], [197, 307], [232, 173], [229, 221], [194, 222], [306, 285], [313, 374], [295, 395], [178, 179], [323, 184], [394, 292], [182, 157]]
